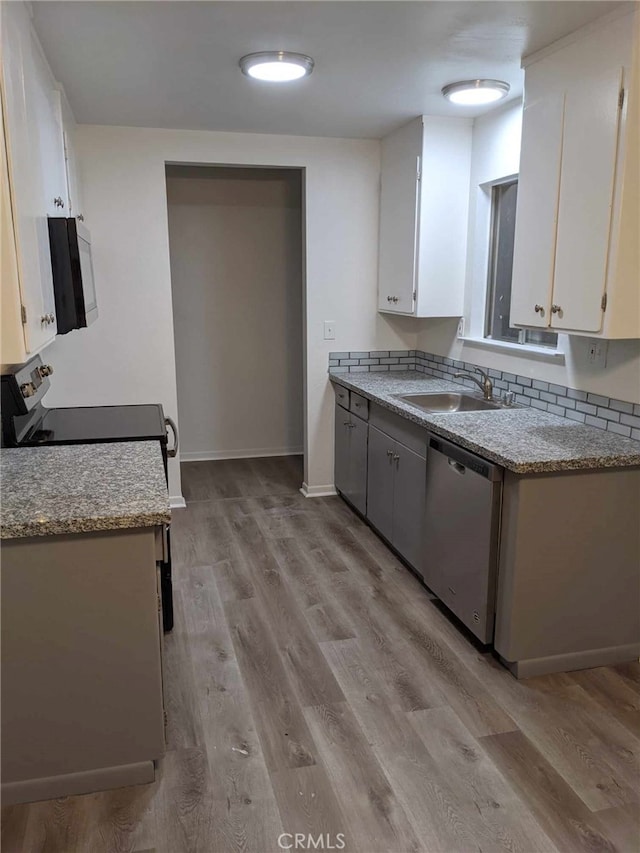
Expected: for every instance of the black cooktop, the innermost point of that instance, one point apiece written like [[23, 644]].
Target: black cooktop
[[86, 425]]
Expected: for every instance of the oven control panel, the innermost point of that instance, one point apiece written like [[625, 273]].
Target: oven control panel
[[24, 386]]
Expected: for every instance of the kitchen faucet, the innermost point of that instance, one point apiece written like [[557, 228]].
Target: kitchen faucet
[[485, 384]]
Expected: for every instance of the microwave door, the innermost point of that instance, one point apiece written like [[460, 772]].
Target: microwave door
[[88, 281]]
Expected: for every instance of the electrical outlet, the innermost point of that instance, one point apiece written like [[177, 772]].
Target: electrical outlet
[[598, 352], [329, 330], [461, 327]]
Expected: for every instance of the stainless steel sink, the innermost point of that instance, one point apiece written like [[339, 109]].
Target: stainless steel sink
[[449, 402]]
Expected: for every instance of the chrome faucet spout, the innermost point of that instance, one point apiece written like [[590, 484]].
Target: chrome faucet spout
[[485, 384]]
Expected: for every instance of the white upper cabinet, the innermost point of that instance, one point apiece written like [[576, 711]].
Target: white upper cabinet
[[47, 119], [578, 187], [424, 207], [74, 184], [35, 185], [21, 100]]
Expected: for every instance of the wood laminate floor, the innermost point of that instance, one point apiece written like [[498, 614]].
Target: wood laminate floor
[[314, 687]]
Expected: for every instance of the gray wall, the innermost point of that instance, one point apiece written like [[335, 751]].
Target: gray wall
[[235, 239]]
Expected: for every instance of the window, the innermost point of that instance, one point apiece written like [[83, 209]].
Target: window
[[503, 220]]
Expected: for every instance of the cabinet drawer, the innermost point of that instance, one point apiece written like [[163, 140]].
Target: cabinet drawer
[[342, 396], [406, 432], [359, 406]]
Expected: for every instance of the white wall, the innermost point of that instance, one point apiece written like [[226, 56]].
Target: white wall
[[495, 155], [128, 354], [235, 240]]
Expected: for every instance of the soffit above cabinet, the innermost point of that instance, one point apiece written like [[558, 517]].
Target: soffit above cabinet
[[175, 64]]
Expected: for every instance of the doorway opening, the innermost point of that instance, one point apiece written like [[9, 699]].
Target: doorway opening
[[237, 279]]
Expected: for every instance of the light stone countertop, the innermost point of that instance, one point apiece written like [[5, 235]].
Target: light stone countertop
[[522, 439], [81, 488]]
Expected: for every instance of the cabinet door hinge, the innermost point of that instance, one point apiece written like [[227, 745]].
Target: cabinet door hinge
[[621, 99], [414, 295], [23, 315], [603, 303]]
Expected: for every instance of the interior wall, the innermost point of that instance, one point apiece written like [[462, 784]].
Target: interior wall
[[235, 240], [495, 155], [128, 354]]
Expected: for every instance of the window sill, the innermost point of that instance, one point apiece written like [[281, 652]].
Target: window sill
[[527, 350]]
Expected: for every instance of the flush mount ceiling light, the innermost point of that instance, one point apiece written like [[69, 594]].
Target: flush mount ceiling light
[[474, 93], [276, 66]]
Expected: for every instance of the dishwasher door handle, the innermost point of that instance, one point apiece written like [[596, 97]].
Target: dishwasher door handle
[[457, 467]]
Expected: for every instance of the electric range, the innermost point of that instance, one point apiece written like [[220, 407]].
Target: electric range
[[26, 422]]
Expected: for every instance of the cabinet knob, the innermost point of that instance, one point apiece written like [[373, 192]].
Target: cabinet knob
[[556, 309], [28, 389], [539, 309], [396, 458], [58, 201], [395, 299], [80, 217], [389, 298], [346, 423], [45, 319], [45, 370], [389, 453]]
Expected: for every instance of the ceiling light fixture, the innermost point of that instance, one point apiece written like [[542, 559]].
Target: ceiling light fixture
[[474, 93], [276, 66]]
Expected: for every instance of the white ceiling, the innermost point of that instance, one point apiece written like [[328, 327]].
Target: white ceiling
[[378, 64]]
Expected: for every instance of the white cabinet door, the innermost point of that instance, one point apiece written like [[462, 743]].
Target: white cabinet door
[[590, 139], [47, 118], [537, 212], [19, 97], [74, 186], [399, 202], [444, 214]]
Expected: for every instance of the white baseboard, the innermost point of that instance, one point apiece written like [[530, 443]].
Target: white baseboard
[[177, 502], [254, 453], [317, 491]]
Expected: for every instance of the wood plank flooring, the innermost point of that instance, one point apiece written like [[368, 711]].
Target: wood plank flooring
[[313, 686]]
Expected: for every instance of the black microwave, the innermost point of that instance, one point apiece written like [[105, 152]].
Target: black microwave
[[73, 283]]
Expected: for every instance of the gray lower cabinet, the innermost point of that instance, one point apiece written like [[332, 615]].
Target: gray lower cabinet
[[380, 482], [409, 490], [396, 495], [82, 706], [351, 438]]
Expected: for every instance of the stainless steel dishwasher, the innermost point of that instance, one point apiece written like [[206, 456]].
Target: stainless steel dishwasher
[[463, 500]]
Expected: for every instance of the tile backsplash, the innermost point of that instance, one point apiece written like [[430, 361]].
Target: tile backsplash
[[616, 416]]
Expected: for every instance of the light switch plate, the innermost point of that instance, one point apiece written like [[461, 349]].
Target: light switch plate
[[329, 330], [598, 352]]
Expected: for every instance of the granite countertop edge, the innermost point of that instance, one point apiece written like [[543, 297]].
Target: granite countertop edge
[[586, 461], [89, 524]]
